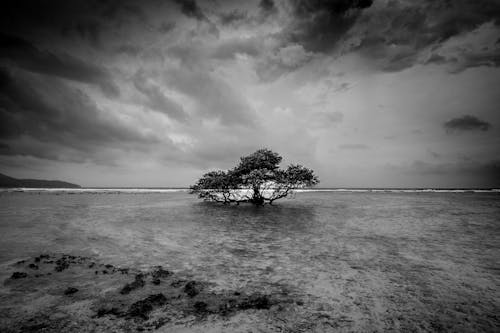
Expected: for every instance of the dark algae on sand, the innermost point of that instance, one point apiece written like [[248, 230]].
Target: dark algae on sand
[[72, 293]]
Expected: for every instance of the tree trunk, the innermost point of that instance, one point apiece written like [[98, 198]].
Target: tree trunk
[[257, 199]]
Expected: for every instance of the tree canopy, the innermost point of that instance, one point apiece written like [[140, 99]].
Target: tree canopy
[[256, 179]]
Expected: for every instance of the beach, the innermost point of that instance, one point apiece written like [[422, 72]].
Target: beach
[[323, 261]]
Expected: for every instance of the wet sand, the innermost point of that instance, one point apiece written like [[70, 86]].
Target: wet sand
[[66, 293]]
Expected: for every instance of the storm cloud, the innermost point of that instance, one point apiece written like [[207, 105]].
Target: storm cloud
[[190, 8], [27, 56], [466, 123], [484, 174], [156, 99], [318, 25], [57, 116], [170, 89], [398, 35]]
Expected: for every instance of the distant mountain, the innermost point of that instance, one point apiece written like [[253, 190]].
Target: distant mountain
[[6, 181]]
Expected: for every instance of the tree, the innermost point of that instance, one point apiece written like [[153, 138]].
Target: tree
[[256, 179]]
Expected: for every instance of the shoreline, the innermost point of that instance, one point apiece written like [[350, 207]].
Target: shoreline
[[89, 190]]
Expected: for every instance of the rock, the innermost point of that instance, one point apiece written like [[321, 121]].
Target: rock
[[33, 266], [156, 281], [123, 270], [104, 312], [160, 322], [39, 327], [61, 264], [192, 288], [143, 307], [18, 275], [41, 256], [137, 283], [255, 301], [200, 307], [228, 306], [70, 291], [159, 272], [177, 283]]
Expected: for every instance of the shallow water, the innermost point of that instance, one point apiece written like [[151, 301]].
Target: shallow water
[[304, 243], [365, 261]]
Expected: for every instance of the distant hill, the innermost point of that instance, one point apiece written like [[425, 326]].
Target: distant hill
[[6, 181]]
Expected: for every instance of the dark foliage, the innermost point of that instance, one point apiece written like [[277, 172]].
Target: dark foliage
[[256, 179]]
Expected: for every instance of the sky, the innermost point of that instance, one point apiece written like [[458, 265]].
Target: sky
[[382, 93]]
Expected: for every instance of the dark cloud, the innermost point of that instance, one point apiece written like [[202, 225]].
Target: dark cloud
[[43, 118], [466, 123], [479, 174], [55, 53], [166, 27], [113, 9], [399, 61], [85, 19], [88, 30], [215, 98], [282, 61], [344, 86], [238, 17], [318, 25], [267, 5], [462, 59], [232, 17], [27, 56], [395, 34], [433, 153], [354, 146], [229, 48], [467, 60], [131, 50], [191, 9], [157, 100], [311, 27], [436, 58]]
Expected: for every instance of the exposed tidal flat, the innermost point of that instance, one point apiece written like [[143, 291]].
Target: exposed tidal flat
[[322, 262]]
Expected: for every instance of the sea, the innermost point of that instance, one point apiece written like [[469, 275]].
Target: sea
[[309, 242]]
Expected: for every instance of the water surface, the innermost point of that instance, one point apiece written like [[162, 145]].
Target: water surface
[[304, 243]]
